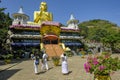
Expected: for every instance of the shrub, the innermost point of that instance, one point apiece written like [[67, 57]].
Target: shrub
[[102, 64]]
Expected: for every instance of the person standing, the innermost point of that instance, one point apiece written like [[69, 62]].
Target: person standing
[[64, 64], [36, 62], [31, 55], [44, 61]]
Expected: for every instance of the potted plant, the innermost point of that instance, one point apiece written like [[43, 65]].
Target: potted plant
[[102, 66], [82, 53], [7, 58], [69, 53], [56, 60]]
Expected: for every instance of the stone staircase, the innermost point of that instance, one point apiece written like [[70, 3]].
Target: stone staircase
[[53, 50]]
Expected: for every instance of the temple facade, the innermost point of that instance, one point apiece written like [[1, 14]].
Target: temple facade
[[43, 32]]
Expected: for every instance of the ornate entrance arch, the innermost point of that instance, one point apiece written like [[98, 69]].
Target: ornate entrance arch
[[50, 39]]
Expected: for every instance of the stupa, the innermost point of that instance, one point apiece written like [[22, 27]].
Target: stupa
[[20, 17], [72, 22]]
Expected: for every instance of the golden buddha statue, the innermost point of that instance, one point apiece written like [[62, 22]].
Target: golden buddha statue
[[42, 15]]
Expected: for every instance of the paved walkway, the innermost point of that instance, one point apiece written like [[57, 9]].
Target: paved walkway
[[4, 66], [24, 71]]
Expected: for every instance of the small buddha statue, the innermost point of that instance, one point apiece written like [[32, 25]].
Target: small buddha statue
[[42, 15]]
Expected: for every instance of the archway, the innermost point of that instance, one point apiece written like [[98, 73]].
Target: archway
[[50, 39]]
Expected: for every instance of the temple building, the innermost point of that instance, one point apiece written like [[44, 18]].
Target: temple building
[[43, 32]]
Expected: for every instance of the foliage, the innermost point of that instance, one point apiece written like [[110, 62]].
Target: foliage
[[8, 56], [83, 52], [4, 24], [83, 31], [102, 31], [68, 53], [98, 23], [56, 60], [102, 64], [105, 53], [111, 39]]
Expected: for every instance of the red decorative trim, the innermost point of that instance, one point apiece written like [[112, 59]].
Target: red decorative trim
[[50, 23]]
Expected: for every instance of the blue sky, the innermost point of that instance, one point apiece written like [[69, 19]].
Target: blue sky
[[83, 10]]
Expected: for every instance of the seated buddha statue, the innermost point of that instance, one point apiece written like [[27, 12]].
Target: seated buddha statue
[[42, 15]]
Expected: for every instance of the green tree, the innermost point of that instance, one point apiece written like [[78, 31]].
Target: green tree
[[102, 31], [98, 33], [98, 23], [5, 22], [83, 30], [112, 39]]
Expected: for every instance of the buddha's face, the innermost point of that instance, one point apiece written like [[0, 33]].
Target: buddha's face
[[43, 6]]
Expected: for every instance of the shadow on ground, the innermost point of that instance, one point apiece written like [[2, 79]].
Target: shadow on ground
[[8, 73], [45, 70]]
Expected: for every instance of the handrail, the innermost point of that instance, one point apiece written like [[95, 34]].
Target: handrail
[[41, 46], [63, 46]]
